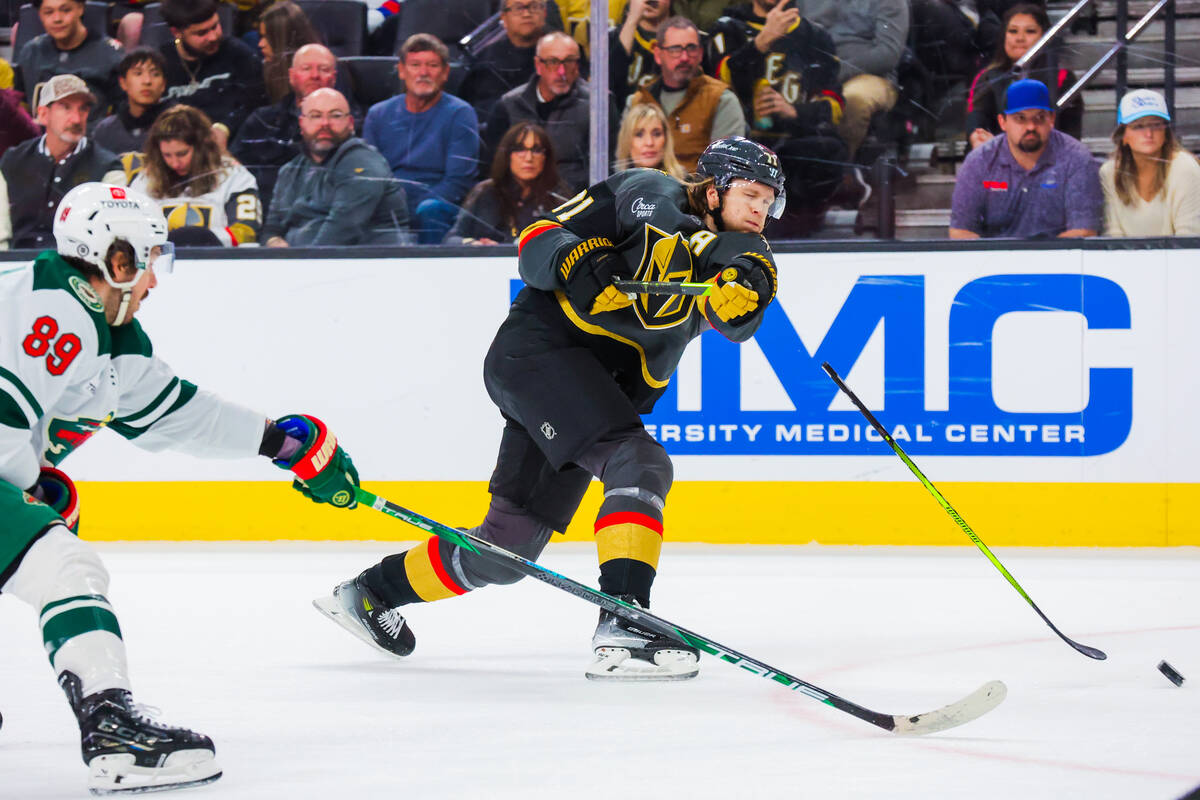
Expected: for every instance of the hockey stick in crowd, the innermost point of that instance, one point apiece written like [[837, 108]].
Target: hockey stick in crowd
[[970, 707], [1090, 652]]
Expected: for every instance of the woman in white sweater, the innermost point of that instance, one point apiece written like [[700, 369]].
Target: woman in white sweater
[[1151, 184]]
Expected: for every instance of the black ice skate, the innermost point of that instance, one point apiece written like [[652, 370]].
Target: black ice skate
[[128, 751], [627, 652], [356, 608]]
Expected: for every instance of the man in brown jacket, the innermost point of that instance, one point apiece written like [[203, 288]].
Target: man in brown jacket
[[700, 109]]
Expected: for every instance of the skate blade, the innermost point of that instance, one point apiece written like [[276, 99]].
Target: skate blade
[[616, 664], [332, 608], [116, 774]]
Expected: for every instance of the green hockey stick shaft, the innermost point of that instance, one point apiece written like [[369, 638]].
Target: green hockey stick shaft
[[974, 705], [1090, 652], [662, 287]]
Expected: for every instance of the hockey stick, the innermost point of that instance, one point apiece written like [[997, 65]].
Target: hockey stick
[[1090, 652], [662, 287], [974, 705]]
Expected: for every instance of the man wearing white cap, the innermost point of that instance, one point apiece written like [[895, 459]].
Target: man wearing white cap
[[36, 174], [1151, 184]]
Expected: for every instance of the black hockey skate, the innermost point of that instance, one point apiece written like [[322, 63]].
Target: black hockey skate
[[128, 751], [625, 651], [356, 608]]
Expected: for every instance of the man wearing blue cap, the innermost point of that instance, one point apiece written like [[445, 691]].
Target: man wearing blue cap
[[1034, 181]]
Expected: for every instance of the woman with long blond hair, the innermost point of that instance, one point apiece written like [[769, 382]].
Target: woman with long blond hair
[[1151, 183], [645, 141], [207, 197]]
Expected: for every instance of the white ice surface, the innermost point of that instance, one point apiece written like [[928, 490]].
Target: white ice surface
[[493, 703]]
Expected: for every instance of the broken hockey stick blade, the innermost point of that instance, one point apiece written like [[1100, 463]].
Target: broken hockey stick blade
[[1090, 652], [970, 707], [662, 287]]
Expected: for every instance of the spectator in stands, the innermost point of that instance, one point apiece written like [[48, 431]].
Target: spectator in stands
[[701, 109], [208, 198], [429, 138], [785, 74], [631, 63], [15, 123], [523, 186], [645, 141], [506, 62], [339, 190], [1151, 183], [1024, 24], [1033, 181], [870, 37], [282, 31], [208, 70], [38, 172], [704, 13], [271, 136], [945, 40], [557, 99], [67, 47], [142, 77]]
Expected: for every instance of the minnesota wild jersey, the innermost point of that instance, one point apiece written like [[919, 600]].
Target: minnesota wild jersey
[[231, 210], [65, 374], [644, 214]]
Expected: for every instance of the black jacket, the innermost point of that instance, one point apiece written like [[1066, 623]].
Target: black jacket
[[36, 184], [228, 85]]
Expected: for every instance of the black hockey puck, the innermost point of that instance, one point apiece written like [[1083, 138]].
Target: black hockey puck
[[1173, 676]]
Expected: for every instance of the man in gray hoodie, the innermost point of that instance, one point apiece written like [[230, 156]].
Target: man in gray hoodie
[[339, 190], [870, 37]]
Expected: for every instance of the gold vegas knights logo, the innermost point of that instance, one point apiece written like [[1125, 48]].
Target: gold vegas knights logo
[[665, 257]]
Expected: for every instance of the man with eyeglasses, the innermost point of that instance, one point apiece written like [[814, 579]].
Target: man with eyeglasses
[[1030, 182], [700, 109], [631, 47], [207, 69], [271, 136], [339, 190], [506, 62], [784, 71], [557, 99]]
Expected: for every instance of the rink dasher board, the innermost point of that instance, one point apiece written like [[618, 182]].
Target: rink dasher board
[[1045, 392]]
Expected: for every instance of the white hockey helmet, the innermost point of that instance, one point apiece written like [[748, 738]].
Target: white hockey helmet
[[94, 215]]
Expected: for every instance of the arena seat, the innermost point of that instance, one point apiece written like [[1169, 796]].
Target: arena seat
[[372, 78], [341, 23]]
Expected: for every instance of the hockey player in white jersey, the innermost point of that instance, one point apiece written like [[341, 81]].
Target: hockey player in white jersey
[[73, 360]]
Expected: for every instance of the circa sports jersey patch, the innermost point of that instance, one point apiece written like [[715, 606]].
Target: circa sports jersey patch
[[641, 209], [84, 291]]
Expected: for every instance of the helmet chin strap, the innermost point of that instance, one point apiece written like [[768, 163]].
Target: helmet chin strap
[[126, 296]]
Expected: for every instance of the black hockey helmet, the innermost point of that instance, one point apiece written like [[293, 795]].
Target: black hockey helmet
[[738, 157]]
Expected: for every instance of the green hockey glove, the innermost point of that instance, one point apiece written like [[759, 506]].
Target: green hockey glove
[[324, 472]]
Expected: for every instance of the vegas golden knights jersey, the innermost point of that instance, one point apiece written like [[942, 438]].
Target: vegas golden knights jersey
[[644, 215], [231, 210]]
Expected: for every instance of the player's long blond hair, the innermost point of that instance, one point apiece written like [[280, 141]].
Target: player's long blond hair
[[192, 127], [638, 116]]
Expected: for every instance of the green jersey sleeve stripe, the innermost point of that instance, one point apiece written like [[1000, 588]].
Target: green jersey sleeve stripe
[[186, 392], [155, 403], [94, 598], [11, 413], [20, 387]]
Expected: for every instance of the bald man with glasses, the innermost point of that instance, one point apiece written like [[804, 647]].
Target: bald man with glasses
[[507, 62]]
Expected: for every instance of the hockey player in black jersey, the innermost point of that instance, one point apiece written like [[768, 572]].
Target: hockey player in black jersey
[[572, 368], [784, 70]]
